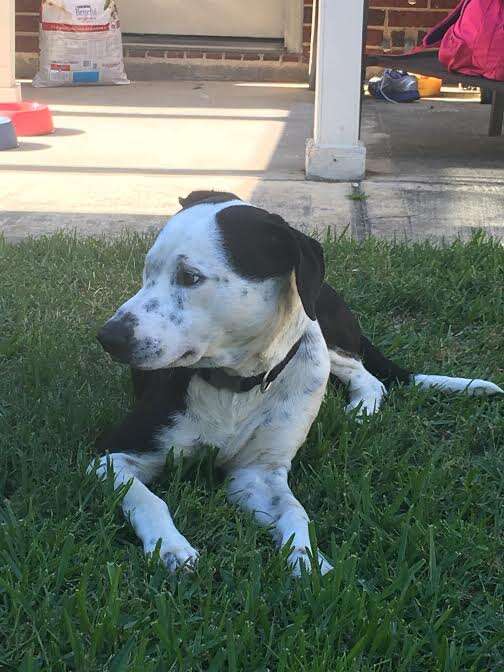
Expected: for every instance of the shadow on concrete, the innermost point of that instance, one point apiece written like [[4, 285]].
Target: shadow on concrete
[[15, 225], [430, 140], [165, 95], [30, 146], [150, 115], [59, 131], [432, 172], [115, 170]]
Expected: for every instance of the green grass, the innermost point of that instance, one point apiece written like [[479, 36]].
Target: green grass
[[357, 196], [408, 506]]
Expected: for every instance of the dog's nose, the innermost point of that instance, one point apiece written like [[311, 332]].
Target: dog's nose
[[116, 337]]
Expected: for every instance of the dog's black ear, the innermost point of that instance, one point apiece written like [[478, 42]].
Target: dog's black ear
[[197, 197], [260, 245], [310, 270]]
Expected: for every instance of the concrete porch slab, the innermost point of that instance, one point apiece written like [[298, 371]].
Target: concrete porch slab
[[121, 157]]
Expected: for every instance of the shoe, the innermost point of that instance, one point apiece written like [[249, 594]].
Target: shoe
[[395, 86]]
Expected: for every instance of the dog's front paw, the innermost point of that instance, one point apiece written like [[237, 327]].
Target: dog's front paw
[[368, 400], [178, 554], [300, 556]]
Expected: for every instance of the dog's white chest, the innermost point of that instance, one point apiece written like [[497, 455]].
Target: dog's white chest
[[252, 425], [218, 418]]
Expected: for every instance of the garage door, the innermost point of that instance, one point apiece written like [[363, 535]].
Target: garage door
[[221, 18]]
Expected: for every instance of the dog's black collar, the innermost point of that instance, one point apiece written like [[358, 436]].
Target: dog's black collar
[[221, 380]]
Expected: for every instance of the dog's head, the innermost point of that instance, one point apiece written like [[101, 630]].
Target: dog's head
[[219, 279]]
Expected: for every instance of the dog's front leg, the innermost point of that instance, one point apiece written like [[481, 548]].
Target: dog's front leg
[[365, 391], [264, 491], [148, 514]]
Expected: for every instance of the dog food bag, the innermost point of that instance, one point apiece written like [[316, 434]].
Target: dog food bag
[[80, 43]]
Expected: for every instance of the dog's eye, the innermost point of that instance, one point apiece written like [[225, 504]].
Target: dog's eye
[[187, 278]]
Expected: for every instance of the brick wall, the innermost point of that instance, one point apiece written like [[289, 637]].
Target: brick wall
[[401, 24], [307, 26], [392, 24], [395, 25], [27, 20]]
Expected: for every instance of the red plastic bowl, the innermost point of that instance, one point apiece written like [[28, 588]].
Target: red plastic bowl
[[29, 118]]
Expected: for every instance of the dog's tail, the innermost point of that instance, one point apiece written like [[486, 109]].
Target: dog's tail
[[474, 387], [388, 372]]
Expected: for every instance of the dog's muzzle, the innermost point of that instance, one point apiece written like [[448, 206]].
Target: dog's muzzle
[[116, 338]]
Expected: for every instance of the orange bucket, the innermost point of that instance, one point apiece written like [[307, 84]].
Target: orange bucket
[[429, 87]]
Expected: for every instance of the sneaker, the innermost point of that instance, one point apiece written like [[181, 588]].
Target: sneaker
[[396, 86]]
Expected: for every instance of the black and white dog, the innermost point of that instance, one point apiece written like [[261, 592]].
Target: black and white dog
[[231, 341]]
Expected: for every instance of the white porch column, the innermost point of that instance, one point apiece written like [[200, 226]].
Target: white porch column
[[335, 152], [9, 91]]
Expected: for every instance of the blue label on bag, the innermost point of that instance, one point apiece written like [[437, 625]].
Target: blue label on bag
[[88, 77]]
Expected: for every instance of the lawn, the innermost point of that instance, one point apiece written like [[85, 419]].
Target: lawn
[[408, 506]]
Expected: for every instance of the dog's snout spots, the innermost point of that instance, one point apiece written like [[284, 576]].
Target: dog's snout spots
[[180, 302], [175, 318], [130, 320], [151, 305], [244, 291], [146, 349]]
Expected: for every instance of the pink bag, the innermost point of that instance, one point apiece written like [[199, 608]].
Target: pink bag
[[471, 39]]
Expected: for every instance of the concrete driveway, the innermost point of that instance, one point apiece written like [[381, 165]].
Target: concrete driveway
[[121, 157]]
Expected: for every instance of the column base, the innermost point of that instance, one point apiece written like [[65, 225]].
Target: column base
[[10, 94], [335, 163]]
